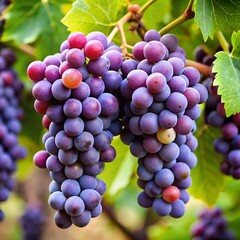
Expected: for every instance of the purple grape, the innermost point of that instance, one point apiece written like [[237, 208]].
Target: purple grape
[[72, 108], [82, 92], [164, 178], [167, 119], [82, 220], [142, 98], [153, 163], [75, 57], [178, 209], [62, 219], [73, 126], [137, 150], [63, 141], [115, 58], [42, 91], [152, 189], [109, 104], [87, 182], [84, 141], [91, 198], [192, 74], [145, 65], [70, 187], [89, 157], [151, 144], [164, 67], [169, 152], [74, 171], [170, 41], [149, 123], [151, 35], [68, 157], [99, 67], [91, 108], [50, 146], [96, 86], [128, 65], [52, 73], [93, 126], [53, 164], [138, 49], [177, 84], [96, 211], [112, 81], [154, 51], [144, 200], [144, 174], [156, 82], [181, 170], [184, 125], [137, 78], [74, 206], [57, 200], [161, 207]]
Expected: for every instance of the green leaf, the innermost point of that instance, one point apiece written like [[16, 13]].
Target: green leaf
[[91, 15], [236, 44], [117, 174], [34, 20], [208, 180], [227, 79], [217, 15], [124, 173]]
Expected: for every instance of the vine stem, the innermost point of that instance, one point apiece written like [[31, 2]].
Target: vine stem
[[223, 42], [131, 235], [120, 23], [187, 14], [27, 49], [202, 68]]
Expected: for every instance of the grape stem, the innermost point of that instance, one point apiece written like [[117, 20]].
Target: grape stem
[[108, 210], [187, 14], [223, 42], [126, 18], [202, 68]]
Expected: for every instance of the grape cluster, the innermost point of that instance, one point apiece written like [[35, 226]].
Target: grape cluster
[[10, 126], [74, 91], [211, 225], [32, 222], [229, 143], [161, 96]]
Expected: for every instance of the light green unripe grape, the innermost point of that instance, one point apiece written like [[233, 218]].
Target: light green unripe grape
[[166, 136]]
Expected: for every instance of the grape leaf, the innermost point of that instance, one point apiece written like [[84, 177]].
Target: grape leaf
[[208, 180], [227, 79], [90, 15], [117, 174], [33, 20], [236, 44], [124, 173], [217, 15]]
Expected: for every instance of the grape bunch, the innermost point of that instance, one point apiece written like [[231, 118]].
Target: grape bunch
[[32, 222], [161, 96], [74, 91], [10, 123], [229, 143], [211, 225]]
